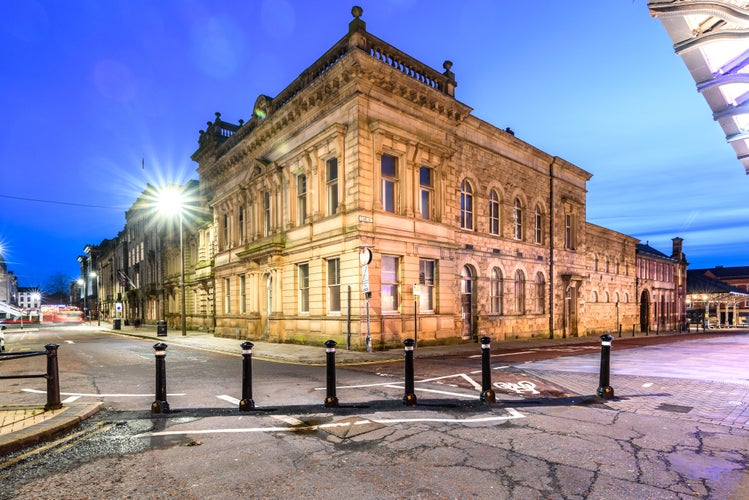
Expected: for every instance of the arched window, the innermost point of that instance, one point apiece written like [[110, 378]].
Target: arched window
[[466, 205], [517, 220], [537, 231], [495, 291], [493, 212], [540, 293], [519, 292], [594, 296], [606, 297]]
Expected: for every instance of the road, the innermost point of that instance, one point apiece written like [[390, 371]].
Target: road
[[556, 442]]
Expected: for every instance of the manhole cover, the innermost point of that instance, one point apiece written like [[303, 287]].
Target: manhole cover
[[674, 408], [350, 427]]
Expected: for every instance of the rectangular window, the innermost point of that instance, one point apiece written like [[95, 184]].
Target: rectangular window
[[303, 281], [537, 224], [242, 295], [389, 175], [227, 295], [569, 232], [266, 214], [390, 285], [240, 217], [301, 198], [334, 285], [426, 284], [426, 192], [226, 231], [331, 180]]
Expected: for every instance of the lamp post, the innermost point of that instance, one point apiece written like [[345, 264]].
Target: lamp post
[[171, 199], [82, 283], [93, 274]]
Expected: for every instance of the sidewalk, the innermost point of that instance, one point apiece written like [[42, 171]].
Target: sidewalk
[[22, 426]]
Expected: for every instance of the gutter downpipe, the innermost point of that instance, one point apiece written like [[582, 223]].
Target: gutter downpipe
[[551, 247]]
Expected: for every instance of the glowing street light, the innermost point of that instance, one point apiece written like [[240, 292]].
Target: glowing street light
[[171, 200]]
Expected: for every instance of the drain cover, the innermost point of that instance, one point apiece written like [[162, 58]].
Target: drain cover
[[674, 408]]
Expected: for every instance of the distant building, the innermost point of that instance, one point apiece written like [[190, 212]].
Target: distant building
[[662, 287], [29, 299], [720, 294]]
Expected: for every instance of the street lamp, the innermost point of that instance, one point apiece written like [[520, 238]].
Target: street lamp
[[171, 200], [37, 297]]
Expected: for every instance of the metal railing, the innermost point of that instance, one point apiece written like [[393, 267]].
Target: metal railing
[[52, 374]]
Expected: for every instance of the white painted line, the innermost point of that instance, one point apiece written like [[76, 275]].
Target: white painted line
[[69, 342], [230, 399], [512, 414], [70, 399], [84, 395], [445, 393], [648, 384], [504, 354], [288, 419]]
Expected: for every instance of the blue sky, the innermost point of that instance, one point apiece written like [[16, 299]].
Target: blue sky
[[100, 97]]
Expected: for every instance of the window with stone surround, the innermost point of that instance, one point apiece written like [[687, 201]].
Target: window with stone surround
[[519, 292], [301, 199], [302, 271], [427, 270], [426, 192], [540, 293], [537, 225], [495, 291], [331, 185], [334, 285], [389, 189], [466, 205], [390, 284], [517, 219], [493, 212]]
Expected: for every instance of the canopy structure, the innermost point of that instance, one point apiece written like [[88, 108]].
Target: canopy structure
[[712, 38], [704, 292]]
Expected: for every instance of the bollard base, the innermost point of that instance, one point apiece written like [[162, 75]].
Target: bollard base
[[606, 392], [409, 400], [488, 397], [159, 407], [331, 402], [246, 405]]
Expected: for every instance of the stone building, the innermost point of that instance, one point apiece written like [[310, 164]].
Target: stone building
[[662, 287], [366, 201]]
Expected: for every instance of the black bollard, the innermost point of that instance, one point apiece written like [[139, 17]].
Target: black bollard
[[605, 391], [160, 404], [331, 401], [53, 379], [246, 403], [409, 399], [487, 394]]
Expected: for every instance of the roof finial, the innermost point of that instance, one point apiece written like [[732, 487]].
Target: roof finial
[[356, 11]]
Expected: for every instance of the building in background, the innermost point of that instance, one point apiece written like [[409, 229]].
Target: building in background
[[720, 295]]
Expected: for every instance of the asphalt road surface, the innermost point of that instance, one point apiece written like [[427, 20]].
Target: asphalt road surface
[[545, 438]]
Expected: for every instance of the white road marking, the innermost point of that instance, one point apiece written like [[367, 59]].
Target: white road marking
[[84, 395], [69, 342], [504, 354], [288, 419], [230, 399], [433, 391], [512, 414], [648, 384], [70, 399]]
